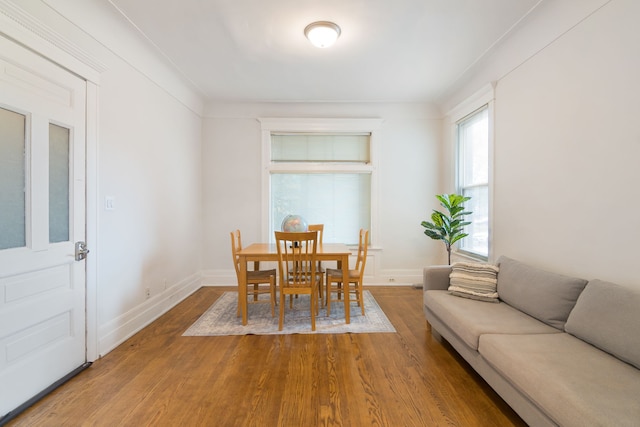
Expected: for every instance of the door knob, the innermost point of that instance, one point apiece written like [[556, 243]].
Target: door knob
[[81, 251]]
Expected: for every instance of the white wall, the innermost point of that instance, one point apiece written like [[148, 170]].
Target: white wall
[[149, 161], [408, 180], [567, 147], [567, 150], [147, 157]]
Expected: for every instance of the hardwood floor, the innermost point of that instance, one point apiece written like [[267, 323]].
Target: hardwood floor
[[159, 378]]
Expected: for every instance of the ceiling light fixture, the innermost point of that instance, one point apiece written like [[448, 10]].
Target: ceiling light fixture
[[322, 33]]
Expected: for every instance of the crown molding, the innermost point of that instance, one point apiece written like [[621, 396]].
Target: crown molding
[[20, 26], [483, 96], [320, 124]]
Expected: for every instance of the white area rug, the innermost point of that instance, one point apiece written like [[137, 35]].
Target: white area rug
[[220, 319]]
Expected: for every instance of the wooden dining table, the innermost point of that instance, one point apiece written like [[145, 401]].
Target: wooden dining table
[[258, 252]]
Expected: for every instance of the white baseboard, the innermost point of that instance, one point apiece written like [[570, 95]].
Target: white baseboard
[[219, 278], [118, 330], [384, 278]]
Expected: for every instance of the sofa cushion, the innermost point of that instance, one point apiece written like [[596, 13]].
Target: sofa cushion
[[576, 383], [469, 319], [474, 281], [606, 315], [549, 297]]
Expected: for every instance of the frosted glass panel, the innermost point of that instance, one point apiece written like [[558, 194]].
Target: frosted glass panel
[[12, 179], [351, 148], [58, 184], [342, 202]]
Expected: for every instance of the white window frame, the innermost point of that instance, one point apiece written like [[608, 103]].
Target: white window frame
[[484, 97], [295, 125]]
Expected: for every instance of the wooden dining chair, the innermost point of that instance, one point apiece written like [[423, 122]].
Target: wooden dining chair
[[297, 269], [319, 228], [334, 278], [319, 271], [256, 279]]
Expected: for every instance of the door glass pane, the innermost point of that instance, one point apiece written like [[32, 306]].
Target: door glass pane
[[58, 184], [12, 179]]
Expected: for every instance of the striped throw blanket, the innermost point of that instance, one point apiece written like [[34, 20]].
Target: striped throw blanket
[[474, 280]]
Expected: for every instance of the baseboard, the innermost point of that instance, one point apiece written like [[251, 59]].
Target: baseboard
[[118, 330], [219, 278], [385, 278]]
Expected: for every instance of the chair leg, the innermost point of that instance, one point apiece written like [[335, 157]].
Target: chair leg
[[272, 287], [320, 295], [282, 304], [314, 301], [360, 296], [327, 293], [238, 311]]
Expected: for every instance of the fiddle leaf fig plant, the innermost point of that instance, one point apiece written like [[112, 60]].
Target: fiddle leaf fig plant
[[449, 226]]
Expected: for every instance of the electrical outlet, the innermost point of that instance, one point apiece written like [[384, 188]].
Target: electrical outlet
[[391, 279], [147, 293]]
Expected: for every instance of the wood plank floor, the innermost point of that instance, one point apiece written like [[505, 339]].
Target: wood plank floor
[[159, 378]]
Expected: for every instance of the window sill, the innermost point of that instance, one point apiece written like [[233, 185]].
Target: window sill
[[468, 256]]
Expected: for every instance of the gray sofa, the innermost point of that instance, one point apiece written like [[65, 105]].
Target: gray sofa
[[559, 350]]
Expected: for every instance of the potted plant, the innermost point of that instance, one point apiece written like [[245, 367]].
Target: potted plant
[[448, 227]]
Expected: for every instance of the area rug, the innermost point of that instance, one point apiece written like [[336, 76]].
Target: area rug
[[220, 319]]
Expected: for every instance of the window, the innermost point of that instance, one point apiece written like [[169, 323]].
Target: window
[[473, 178], [322, 170]]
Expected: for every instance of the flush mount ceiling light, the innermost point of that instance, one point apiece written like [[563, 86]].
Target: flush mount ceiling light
[[322, 33]]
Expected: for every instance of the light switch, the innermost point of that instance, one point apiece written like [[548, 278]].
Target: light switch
[[110, 203]]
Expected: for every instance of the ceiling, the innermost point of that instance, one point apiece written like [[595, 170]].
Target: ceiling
[[389, 51]]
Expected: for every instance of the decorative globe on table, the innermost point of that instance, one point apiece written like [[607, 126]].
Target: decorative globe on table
[[294, 223]]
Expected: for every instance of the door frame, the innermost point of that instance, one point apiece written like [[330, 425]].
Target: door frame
[[18, 25]]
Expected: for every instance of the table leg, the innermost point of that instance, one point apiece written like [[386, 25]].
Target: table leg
[[345, 287], [242, 289], [256, 267]]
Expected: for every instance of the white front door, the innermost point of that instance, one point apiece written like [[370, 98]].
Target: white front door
[[42, 216]]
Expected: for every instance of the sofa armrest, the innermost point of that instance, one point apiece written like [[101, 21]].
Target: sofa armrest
[[436, 277]]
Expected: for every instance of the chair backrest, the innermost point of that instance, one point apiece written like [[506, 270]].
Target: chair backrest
[[319, 228], [236, 246], [363, 246], [297, 258]]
